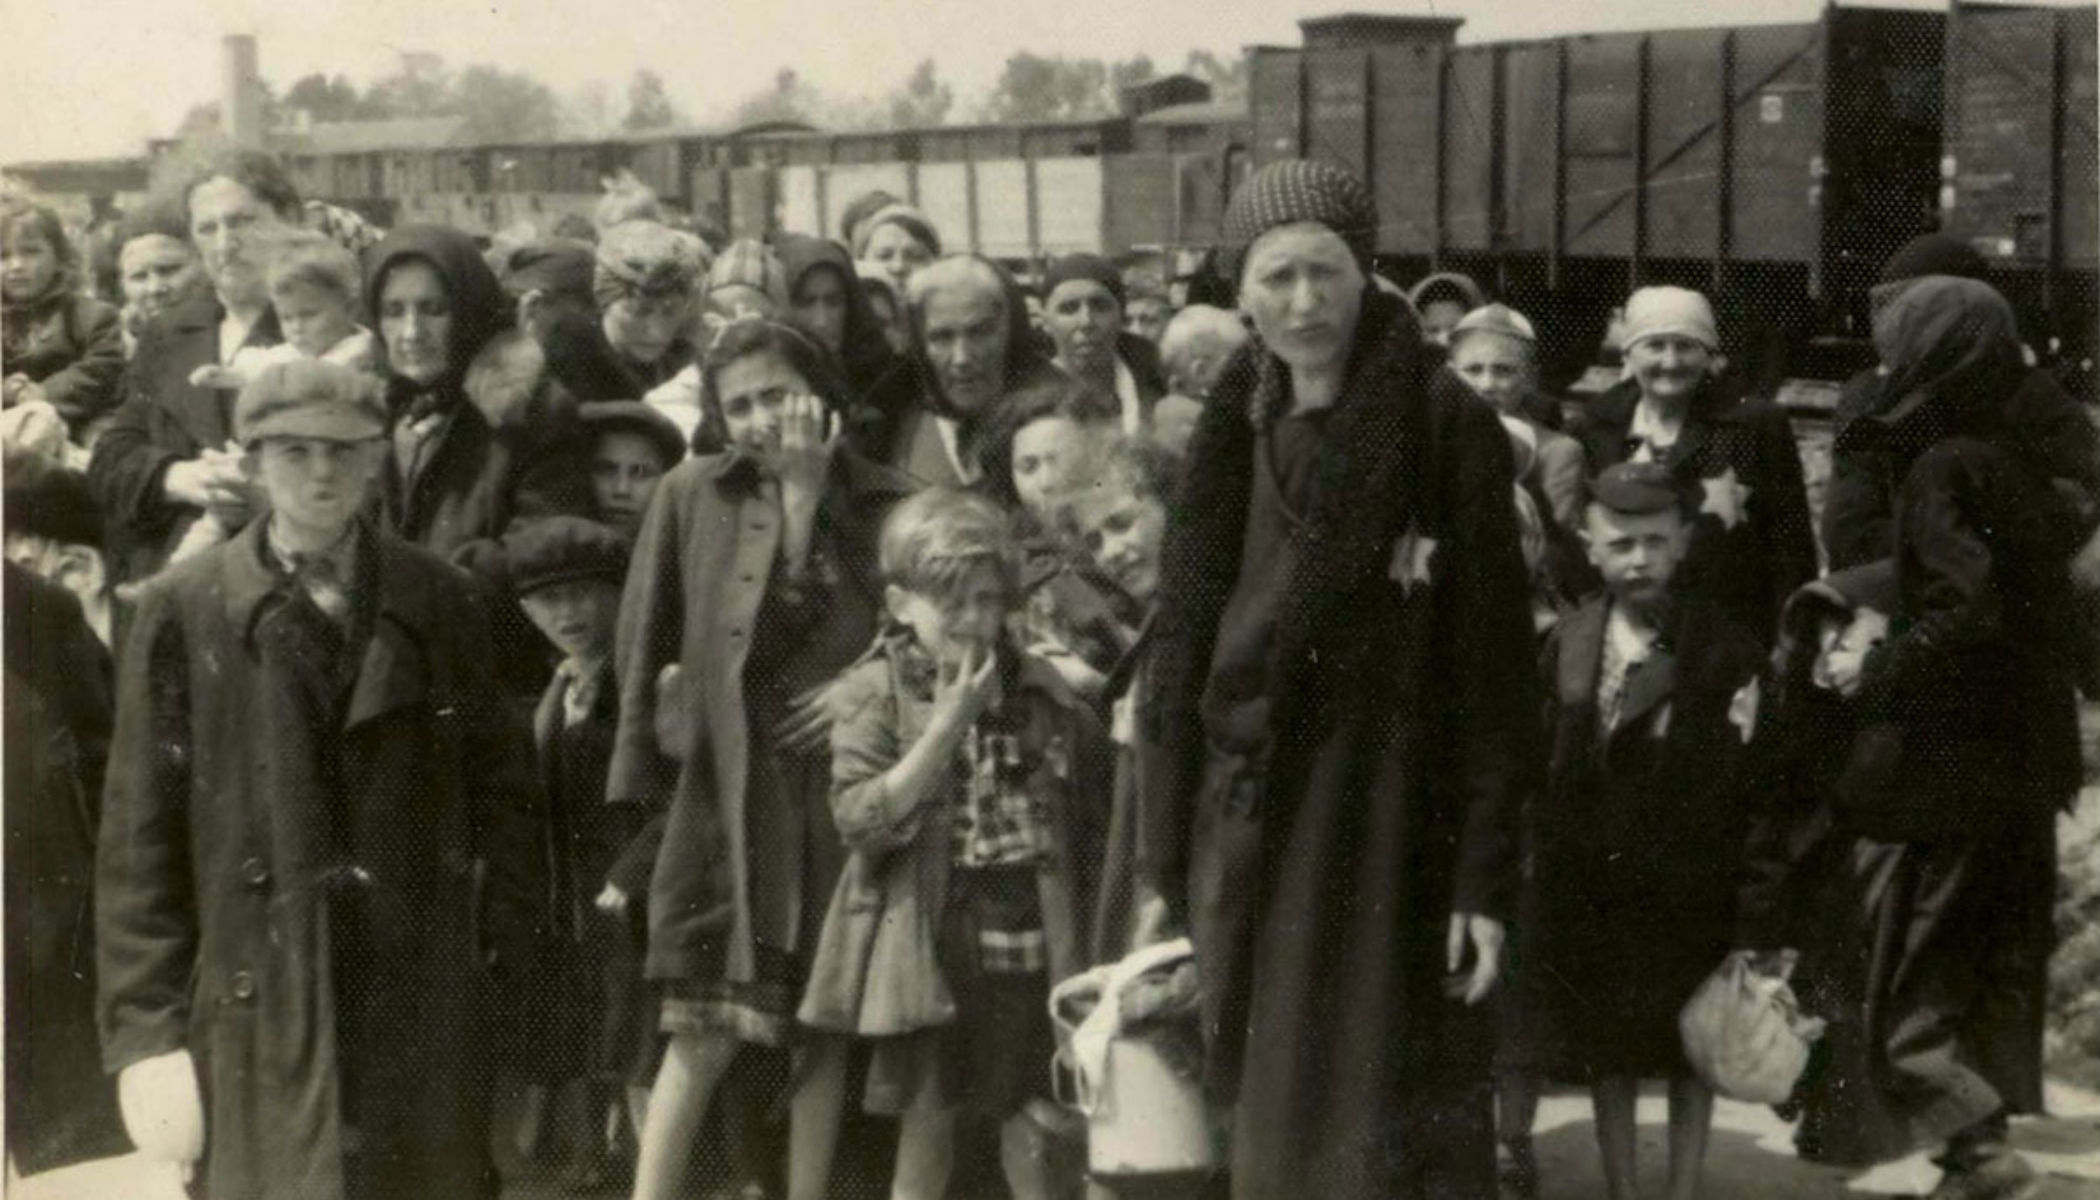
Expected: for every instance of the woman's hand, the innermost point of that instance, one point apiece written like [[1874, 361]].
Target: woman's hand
[[1077, 673], [1486, 934], [213, 478], [611, 900], [809, 435]]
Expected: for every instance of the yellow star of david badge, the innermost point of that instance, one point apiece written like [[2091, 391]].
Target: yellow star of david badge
[[1725, 497], [1410, 563]]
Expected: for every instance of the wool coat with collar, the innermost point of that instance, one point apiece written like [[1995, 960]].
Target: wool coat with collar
[[1402, 709], [74, 349], [702, 563], [1753, 542], [163, 420], [215, 911]]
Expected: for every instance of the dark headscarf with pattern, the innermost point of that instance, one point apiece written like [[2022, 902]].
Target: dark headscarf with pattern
[[1952, 350], [479, 308], [1297, 190]]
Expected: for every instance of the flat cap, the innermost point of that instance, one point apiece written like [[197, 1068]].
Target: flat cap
[[542, 553], [309, 398], [1637, 489], [562, 266], [601, 416]]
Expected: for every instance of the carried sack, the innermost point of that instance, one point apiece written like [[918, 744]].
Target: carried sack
[[1144, 1115], [1744, 1034]]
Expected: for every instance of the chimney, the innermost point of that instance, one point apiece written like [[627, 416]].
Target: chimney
[[240, 92]]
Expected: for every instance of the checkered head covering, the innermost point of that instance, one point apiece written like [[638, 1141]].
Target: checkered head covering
[[1295, 190]]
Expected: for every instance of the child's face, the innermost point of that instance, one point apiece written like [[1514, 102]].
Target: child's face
[[1045, 453], [948, 625], [753, 392], [28, 263], [1122, 531], [625, 468], [1636, 554], [317, 484], [576, 615], [313, 319], [1496, 366]]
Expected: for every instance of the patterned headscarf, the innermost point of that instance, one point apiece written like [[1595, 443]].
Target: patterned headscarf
[[648, 258], [1285, 193]]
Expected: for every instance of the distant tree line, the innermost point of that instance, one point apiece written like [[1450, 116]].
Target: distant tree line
[[496, 105]]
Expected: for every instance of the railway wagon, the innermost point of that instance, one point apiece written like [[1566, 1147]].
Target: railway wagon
[[1773, 166], [2021, 162]]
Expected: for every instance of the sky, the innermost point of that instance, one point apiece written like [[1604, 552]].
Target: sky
[[90, 78]]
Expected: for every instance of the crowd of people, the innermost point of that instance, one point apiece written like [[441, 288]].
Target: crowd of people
[[723, 687]]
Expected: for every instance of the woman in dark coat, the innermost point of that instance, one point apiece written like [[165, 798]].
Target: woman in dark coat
[[825, 299], [1752, 544], [164, 457], [456, 475], [1966, 746], [1342, 704]]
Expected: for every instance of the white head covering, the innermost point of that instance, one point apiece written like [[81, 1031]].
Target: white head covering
[[1657, 311], [1495, 318]]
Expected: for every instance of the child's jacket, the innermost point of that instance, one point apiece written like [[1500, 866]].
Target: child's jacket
[[875, 971]]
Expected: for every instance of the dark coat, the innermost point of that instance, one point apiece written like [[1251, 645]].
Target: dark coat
[[61, 1108], [1319, 886], [162, 421], [1747, 555], [1859, 504], [701, 567], [74, 349], [212, 939], [1641, 836]]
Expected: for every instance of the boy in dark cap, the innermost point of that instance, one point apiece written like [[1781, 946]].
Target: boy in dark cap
[[319, 851], [567, 573], [1641, 831], [632, 445]]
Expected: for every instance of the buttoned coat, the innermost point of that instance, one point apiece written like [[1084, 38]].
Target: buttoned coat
[[701, 565], [211, 941]]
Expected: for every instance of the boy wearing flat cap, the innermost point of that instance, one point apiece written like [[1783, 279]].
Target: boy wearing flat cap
[[318, 849], [1642, 827], [567, 574]]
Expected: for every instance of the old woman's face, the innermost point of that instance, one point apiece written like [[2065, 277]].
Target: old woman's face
[[1303, 290], [965, 332]]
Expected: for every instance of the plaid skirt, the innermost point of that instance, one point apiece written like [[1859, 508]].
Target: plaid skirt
[[995, 1056]]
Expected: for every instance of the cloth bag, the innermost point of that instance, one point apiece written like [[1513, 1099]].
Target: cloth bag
[[1744, 1034]]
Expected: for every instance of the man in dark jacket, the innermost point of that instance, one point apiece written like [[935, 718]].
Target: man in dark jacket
[[321, 840]]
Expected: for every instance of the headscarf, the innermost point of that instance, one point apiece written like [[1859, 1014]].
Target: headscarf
[[1925, 255], [748, 263], [1668, 311], [1952, 350], [1084, 266], [898, 213], [860, 208], [863, 351], [645, 258], [1295, 190], [479, 308]]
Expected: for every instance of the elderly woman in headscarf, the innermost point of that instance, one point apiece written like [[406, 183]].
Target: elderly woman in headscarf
[[644, 281], [826, 300], [1931, 923], [977, 356], [1083, 314], [458, 474], [1752, 543], [1341, 707]]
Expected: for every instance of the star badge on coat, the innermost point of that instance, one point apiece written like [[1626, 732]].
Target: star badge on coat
[[1726, 497], [1412, 552]]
